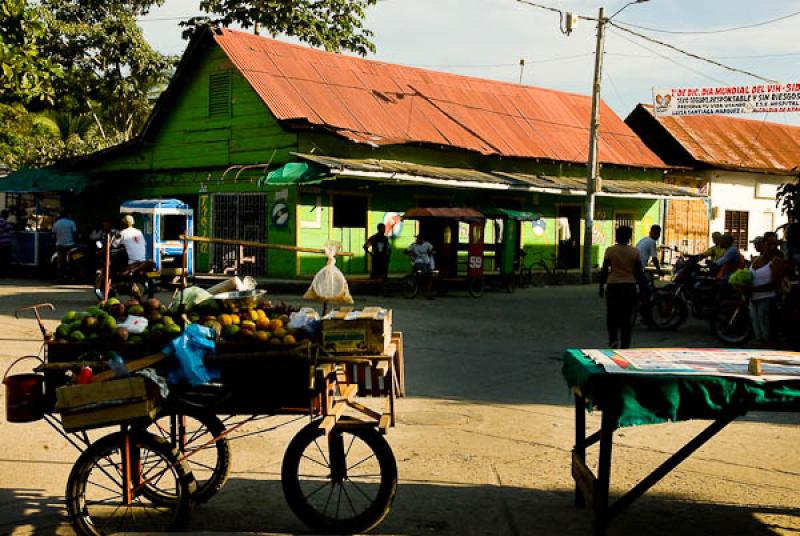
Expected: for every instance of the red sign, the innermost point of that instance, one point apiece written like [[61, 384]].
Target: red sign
[[475, 250]]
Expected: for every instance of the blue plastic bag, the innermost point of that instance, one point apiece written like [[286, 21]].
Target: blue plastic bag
[[189, 350]]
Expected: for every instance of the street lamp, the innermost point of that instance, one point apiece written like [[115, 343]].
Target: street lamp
[[592, 175]]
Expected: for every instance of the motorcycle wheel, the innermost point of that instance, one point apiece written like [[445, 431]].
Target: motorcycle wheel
[[730, 323], [410, 286], [667, 311]]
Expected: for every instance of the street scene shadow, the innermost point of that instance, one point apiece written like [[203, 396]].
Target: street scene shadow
[[31, 511], [447, 508]]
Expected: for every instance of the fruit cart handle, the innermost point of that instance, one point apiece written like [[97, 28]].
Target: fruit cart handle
[[35, 308]]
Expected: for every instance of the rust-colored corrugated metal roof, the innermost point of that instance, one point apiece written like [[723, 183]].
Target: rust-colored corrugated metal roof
[[734, 143], [382, 104], [409, 172]]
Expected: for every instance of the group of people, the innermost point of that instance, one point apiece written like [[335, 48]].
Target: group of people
[[775, 273], [421, 252]]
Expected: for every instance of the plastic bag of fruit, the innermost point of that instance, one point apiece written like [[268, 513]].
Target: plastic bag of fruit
[[329, 285]]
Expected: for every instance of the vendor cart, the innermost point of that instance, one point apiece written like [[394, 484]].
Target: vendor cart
[[338, 473], [453, 232]]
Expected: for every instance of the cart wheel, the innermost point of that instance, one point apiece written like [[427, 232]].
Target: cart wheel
[[410, 286], [95, 496], [476, 287], [342, 484], [194, 436]]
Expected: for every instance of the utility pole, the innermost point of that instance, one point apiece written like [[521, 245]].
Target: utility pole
[[592, 165]]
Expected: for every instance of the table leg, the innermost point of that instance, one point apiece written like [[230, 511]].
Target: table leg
[[580, 442], [609, 424]]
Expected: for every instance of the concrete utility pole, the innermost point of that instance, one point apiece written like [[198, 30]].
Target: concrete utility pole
[[592, 165]]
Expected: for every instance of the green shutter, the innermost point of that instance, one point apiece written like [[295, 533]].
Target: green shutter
[[219, 95]]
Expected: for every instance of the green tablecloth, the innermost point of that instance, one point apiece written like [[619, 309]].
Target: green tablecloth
[[656, 398]]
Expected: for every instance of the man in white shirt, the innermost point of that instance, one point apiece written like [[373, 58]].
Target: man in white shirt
[[133, 241], [421, 252], [64, 230], [648, 248]]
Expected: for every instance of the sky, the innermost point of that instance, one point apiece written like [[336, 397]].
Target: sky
[[487, 39]]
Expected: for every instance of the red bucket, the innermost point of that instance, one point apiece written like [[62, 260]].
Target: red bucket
[[24, 394]]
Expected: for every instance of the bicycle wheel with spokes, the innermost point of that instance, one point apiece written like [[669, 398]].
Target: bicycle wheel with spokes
[[97, 501], [208, 456], [342, 483]]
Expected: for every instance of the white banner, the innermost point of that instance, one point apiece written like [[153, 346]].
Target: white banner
[[754, 99]]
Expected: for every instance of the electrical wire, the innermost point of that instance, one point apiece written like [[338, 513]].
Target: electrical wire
[[493, 65], [707, 32], [690, 54], [668, 58]]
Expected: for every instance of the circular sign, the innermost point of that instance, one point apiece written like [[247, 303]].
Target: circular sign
[[394, 224], [280, 215]]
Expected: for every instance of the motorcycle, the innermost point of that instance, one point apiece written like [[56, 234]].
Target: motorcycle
[[138, 280], [730, 320], [76, 263], [693, 288]]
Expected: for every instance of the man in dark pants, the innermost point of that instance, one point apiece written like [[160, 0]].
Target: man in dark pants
[[381, 250], [622, 269]]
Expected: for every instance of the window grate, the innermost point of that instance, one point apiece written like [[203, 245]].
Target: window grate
[[736, 225], [239, 217], [219, 95]]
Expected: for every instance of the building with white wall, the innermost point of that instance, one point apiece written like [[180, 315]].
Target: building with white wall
[[738, 163]]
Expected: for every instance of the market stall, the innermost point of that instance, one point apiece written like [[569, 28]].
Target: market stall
[[180, 382], [649, 386], [163, 222], [34, 199]]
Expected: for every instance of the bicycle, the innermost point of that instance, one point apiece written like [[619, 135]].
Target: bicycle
[[546, 270]]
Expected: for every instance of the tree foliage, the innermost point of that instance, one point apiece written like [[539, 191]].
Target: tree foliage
[[789, 197], [26, 74], [335, 25]]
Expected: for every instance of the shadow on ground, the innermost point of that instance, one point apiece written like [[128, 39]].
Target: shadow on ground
[[31, 511], [441, 508]]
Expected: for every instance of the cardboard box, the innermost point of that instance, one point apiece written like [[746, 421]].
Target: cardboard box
[[349, 331], [106, 403]]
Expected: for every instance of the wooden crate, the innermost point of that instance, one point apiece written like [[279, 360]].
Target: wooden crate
[[370, 332], [95, 405]]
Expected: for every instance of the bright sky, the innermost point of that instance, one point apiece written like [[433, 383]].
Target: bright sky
[[487, 38]]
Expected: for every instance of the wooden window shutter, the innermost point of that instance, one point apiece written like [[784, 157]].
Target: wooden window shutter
[[736, 224], [219, 95]]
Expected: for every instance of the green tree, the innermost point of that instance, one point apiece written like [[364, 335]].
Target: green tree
[[26, 74], [109, 68], [335, 25], [789, 197]]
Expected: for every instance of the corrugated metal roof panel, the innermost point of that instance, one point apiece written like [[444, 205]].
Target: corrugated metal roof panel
[[365, 98], [735, 143]]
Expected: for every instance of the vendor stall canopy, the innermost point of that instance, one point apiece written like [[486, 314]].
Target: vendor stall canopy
[[376, 103], [44, 180]]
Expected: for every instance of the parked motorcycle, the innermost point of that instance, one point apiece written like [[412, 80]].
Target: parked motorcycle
[[76, 265], [138, 280], [693, 288]]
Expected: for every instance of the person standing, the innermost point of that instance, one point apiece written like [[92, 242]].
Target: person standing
[[648, 248], [768, 270], [6, 240], [64, 229], [622, 269], [381, 251]]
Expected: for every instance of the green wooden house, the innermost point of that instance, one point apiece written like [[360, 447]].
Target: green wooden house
[[281, 143]]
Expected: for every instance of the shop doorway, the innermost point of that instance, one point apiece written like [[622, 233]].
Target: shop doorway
[[239, 217], [350, 229], [568, 234]]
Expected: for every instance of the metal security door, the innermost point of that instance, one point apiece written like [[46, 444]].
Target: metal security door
[[239, 217]]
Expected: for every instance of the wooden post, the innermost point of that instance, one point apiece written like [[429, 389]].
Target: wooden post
[[107, 279]]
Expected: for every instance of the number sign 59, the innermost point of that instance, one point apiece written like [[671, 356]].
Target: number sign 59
[[475, 262]]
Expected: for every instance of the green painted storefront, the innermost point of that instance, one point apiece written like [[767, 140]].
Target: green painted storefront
[[210, 124]]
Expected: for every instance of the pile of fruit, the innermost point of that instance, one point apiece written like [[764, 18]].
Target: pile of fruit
[[101, 323], [264, 324]]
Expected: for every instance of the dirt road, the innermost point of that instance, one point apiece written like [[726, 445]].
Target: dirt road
[[483, 443]]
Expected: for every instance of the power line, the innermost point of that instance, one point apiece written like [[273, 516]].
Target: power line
[[721, 30], [744, 57], [687, 53], [493, 65], [670, 59]]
